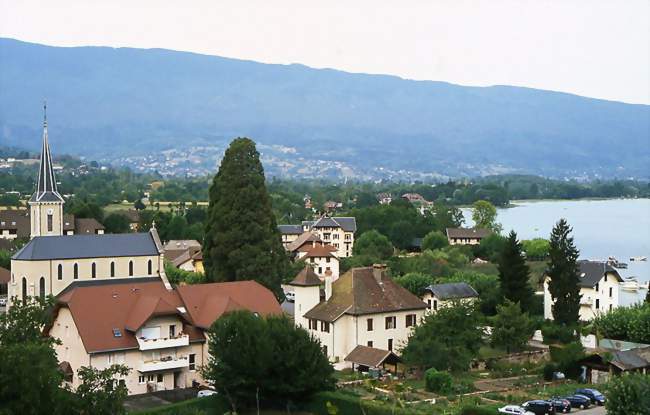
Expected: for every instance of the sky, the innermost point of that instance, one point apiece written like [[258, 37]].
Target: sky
[[593, 48]]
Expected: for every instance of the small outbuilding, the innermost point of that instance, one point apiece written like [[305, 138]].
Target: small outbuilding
[[440, 295], [364, 358]]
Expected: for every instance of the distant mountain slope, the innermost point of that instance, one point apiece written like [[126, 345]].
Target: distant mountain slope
[[110, 103]]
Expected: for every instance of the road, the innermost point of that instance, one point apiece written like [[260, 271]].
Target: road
[[594, 410]]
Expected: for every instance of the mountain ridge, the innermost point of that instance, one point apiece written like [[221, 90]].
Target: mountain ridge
[[145, 101]]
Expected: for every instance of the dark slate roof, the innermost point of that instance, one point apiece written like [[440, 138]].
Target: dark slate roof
[[85, 226], [452, 290], [363, 291], [17, 219], [468, 232], [290, 229], [348, 224], [306, 278], [591, 272], [46, 189], [88, 246], [632, 359]]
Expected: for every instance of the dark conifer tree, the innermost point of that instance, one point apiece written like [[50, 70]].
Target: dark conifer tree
[[514, 273], [242, 241], [563, 272]]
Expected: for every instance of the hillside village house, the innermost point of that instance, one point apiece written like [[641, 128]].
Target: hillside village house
[[311, 249], [16, 223], [444, 295], [384, 198], [599, 289], [466, 236], [335, 231], [158, 332], [185, 254], [363, 307], [52, 260]]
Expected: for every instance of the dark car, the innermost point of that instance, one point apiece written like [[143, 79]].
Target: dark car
[[579, 401], [539, 407], [561, 404], [595, 396]]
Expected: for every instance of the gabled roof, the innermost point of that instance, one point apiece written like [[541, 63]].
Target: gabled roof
[[468, 233], [88, 246], [452, 290], [16, 219], [631, 359], [371, 357], [207, 302], [99, 307], [348, 224], [304, 238], [306, 278], [290, 229], [320, 251], [591, 272], [363, 291], [87, 226]]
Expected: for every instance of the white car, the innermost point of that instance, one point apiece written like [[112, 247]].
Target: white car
[[514, 410], [205, 392], [291, 296], [3, 302]]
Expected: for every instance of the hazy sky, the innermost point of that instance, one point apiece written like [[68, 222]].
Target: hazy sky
[[594, 48]]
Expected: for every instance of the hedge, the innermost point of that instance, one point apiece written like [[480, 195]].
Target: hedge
[[216, 405], [350, 405], [477, 410]]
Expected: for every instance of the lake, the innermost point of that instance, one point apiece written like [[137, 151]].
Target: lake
[[601, 228]]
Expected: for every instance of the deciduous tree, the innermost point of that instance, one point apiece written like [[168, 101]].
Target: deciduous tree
[[373, 244], [628, 394], [100, 392], [434, 240], [484, 215], [511, 328]]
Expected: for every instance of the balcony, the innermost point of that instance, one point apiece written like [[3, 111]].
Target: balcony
[[164, 364], [586, 301], [164, 342]]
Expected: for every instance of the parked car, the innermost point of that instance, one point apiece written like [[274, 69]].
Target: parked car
[[514, 410], [561, 404], [3, 302], [539, 407], [595, 396], [291, 296], [205, 392], [579, 401]]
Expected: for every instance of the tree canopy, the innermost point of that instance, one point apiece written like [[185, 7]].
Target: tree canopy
[[484, 215], [373, 244], [434, 240], [511, 328], [242, 241], [254, 359]]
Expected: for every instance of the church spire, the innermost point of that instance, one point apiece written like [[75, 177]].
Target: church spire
[[46, 189]]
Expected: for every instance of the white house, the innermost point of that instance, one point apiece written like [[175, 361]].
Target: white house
[[335, 231], [443, 295], [599, 289], [364, 307]]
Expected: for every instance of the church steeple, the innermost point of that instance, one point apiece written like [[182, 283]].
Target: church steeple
[[46, 188], [46, 204]]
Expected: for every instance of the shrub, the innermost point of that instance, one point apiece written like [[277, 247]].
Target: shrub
[[566, 358], [438, 382], [477, 410], [549, 369], [556, 333], [629, 395]]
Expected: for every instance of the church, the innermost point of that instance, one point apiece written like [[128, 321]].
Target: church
[[53, 259]]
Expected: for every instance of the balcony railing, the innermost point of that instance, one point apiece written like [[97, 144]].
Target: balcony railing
[[164, 342], [164, 364]]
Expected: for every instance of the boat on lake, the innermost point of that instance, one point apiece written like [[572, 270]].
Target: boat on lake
[[638, 258]]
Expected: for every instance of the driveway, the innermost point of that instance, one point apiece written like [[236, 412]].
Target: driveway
[[595, 410]]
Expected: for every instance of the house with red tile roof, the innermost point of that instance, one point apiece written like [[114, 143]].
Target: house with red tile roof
[[160, 334]]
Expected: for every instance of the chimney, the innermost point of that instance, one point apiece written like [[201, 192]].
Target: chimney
[[328, 287], [377, 271]]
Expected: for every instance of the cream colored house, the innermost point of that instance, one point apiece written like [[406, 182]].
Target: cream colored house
[[599, 290], [159, 333], [466, 236], [437, 296], [335, 231], [363, 307]]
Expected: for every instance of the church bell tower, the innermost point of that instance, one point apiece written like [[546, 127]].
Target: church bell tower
[[46, 204]]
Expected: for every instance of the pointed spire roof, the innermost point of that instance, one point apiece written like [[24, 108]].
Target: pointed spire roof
[[46, 189], [306, 278]]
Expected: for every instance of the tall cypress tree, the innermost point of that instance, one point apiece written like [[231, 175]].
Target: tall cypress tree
[[514, 273], [242, 241], [563, 272]]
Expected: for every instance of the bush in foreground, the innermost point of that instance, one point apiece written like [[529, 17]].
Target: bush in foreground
[[438, 382]]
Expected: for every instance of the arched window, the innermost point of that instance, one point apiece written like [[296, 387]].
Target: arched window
[[41, 288], [112, 269], [130, 268], [76, 271], [149, 268], [24, 293], [93, 270], [59, 272]]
